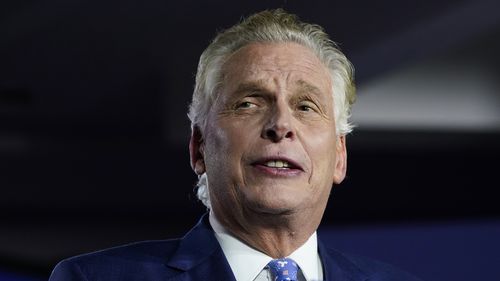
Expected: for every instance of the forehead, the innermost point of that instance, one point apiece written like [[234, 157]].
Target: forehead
[[276, 65]]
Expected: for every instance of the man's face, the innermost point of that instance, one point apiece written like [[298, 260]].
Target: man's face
[[270, 145]]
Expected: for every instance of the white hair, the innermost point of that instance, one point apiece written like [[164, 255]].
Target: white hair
[[270, 26]]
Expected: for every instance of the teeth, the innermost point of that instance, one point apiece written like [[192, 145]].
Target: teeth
[[277, 164]]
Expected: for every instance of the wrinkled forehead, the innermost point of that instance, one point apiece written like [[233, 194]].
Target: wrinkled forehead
[[275, 65]]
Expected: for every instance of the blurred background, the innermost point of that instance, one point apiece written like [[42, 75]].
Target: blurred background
[[94, 133]]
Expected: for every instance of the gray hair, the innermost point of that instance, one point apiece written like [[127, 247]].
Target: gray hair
[[270, 26]]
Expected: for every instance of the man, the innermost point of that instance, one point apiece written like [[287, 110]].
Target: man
[[269, 119]]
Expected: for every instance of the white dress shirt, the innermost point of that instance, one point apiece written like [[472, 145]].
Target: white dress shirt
[[249, 264]]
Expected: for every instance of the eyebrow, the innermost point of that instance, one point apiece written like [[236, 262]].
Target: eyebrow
[[252, 86], [305, 87]]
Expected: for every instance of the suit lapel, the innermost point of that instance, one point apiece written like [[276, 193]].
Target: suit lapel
[[336, 267], [199, 256]]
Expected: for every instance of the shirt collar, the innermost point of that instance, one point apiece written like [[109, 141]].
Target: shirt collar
[[247, 262]]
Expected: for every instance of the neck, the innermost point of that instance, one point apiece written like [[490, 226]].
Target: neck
[[276, 235]]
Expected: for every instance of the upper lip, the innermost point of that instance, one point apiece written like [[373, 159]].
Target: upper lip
[[293, 164]]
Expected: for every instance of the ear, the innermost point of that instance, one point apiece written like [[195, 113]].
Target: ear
[[341, 161], [196, 153]]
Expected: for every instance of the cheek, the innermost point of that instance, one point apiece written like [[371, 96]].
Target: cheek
[[321, 150], [226, 142], [226, 146]]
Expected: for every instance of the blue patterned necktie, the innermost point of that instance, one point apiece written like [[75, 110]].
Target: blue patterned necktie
[[283, 269]]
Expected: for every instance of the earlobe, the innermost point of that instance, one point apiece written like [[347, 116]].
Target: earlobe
[[199, 167], [341, 161], [196, 152]]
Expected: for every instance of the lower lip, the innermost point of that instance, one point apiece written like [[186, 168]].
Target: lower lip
[[278, 172]]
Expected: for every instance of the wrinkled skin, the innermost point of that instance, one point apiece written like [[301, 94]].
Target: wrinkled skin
[[275, 104]]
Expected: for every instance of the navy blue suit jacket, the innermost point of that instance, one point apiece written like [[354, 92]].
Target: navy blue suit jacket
[[198, 256]]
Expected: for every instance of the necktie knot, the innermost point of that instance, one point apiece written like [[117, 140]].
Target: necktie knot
[[283, 269]]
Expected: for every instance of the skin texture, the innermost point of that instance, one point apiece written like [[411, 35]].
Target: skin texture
[[275, 103]]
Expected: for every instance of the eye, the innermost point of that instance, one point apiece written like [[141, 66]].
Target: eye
[[245, 104], [307, 106]]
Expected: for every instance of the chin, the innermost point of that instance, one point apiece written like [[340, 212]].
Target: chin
[[275, 206]]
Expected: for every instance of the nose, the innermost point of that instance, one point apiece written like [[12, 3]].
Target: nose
[[279, 125]]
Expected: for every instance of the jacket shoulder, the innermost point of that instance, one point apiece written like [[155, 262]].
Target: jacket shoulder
[[373, 270], [127, 262]]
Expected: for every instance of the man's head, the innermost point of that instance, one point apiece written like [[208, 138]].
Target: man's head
[[270, 91]]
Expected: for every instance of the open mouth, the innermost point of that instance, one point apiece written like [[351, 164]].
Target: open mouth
[[278, 163]]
